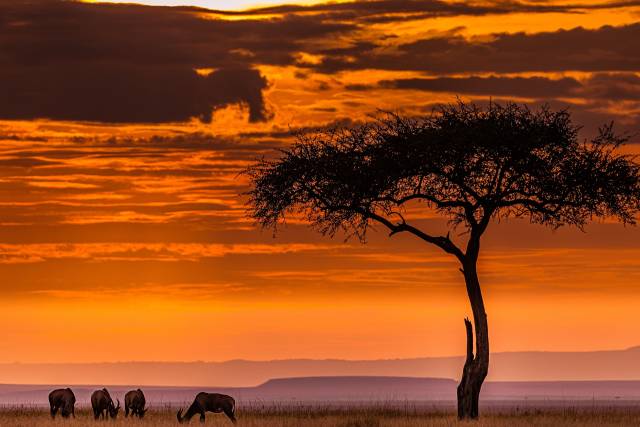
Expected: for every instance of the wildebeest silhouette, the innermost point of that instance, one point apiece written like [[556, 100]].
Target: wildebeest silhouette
[[64, 400], [209, 402], [134, 401], [102, 405]]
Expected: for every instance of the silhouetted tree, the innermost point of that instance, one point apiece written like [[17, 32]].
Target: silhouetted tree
[[472, 165]]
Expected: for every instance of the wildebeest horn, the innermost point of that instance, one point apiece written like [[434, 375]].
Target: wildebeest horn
[[179, 415], [118, 400]]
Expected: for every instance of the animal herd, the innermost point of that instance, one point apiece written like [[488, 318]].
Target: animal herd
[[64, 400]]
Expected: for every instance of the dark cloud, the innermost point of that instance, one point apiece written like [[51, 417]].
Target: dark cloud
[[579, 49], [24, 162], [54, 31], [536, 87], [598, 86], [391, 10], [130, 63], [127, 93], [613, 87]]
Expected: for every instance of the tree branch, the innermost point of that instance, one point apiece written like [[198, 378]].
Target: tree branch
[[421, 196], [443, 242]]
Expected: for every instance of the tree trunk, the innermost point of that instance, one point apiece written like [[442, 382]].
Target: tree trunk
[[475, 367]]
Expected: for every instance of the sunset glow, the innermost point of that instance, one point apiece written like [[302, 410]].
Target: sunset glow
[[123, 210], [214, 4]]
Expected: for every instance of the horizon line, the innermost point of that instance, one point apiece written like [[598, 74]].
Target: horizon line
[[306, 359]]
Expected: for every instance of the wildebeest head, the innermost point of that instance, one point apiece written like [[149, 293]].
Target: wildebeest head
[[113, 410], [141, 412]]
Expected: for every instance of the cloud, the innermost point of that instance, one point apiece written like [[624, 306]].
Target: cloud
[[149, 36], [536, 87], [126, 63], [134, 252], [185, 183], [129, 63], [390, 10], [600, 86], [578, 49], [127, 93], [613, 87]]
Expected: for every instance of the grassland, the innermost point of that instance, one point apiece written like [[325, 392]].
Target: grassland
[[352, 417]]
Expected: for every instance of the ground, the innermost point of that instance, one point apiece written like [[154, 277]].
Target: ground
[[350, 417]]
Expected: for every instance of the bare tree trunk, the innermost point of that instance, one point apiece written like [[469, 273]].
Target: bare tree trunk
[[475, 367]]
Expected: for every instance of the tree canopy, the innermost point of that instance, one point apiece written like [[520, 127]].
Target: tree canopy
[[470, 164]]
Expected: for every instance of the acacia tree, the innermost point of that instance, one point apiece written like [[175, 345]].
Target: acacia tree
[[470, 164]]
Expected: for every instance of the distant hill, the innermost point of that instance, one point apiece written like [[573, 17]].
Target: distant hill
[[517, 366], [355, 388]]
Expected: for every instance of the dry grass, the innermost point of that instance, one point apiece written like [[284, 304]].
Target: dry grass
[[353, 417]]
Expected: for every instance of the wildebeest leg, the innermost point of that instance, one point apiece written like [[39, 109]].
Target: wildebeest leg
[[96, 414], [202, 415], [126, 411], [229, 413], [54, 410]]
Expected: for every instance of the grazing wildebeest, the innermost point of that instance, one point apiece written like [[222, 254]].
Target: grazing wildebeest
[[209, 402], [102, 404], [134, 401], [64, 400]]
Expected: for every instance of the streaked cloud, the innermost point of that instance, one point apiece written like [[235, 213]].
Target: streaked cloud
[[164, 252]]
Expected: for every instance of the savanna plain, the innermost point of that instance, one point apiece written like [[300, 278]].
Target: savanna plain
[[347, 417]]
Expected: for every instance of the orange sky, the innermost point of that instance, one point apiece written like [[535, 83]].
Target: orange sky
[[123, 232]]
